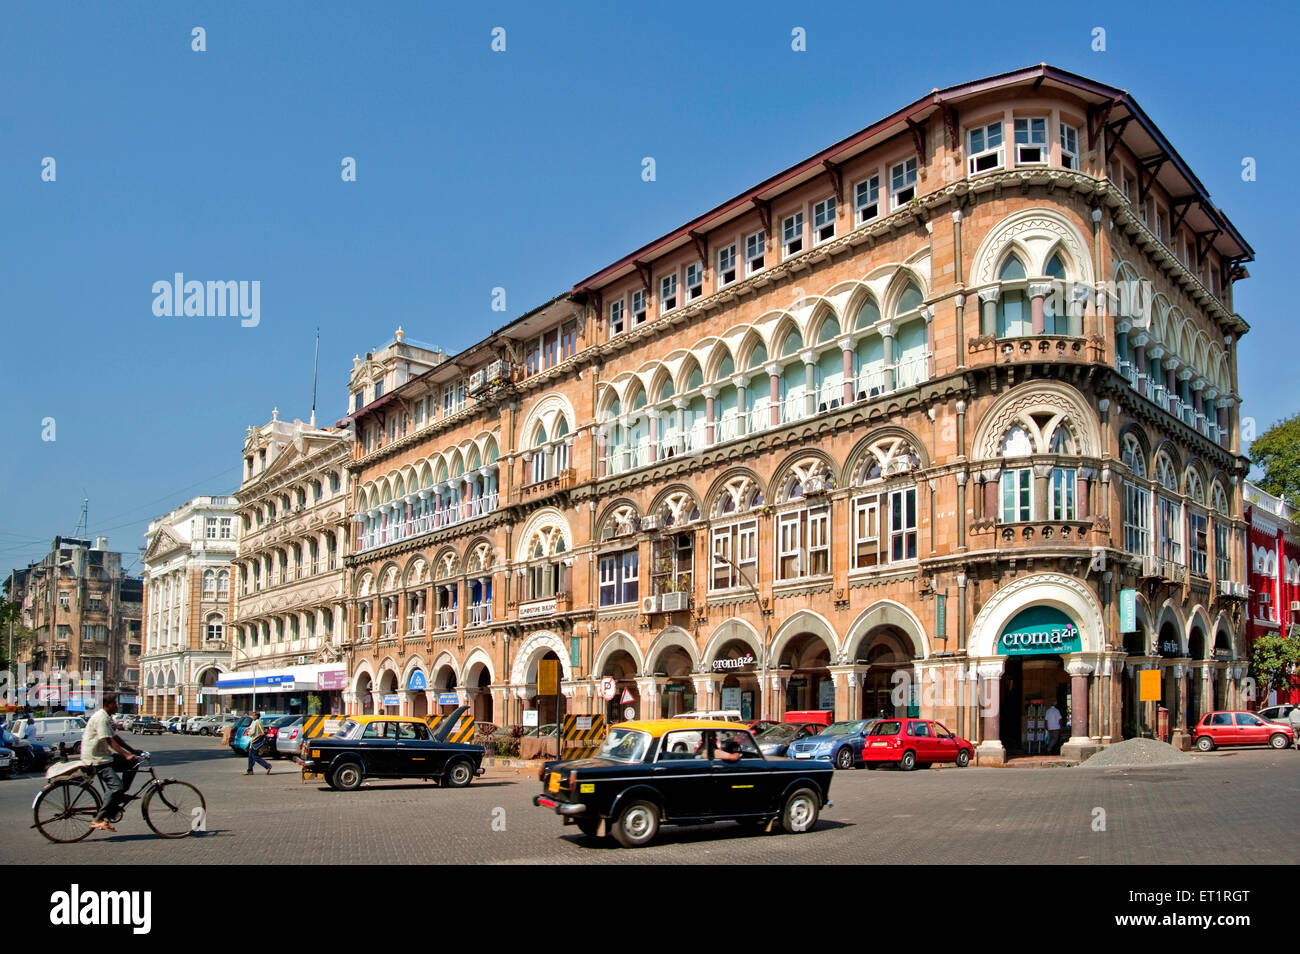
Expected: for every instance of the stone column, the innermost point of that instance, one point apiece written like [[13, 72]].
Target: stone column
[[846, 346], [774, 393], [653, 415], [989, 311], [960, 301], [990, 750], [742, 408], [710, 431], [1038, 292], [377, 700], [1140, 359], [887, 330], [928, 314], [1041, 492], [991, 510], [810, 394], [1080, 745]]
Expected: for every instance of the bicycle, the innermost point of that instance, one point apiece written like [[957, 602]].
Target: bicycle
[[65, 807]]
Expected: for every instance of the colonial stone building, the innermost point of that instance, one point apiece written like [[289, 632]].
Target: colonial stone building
[[901, 428], [187, 607], [85, 611], [289, 594]]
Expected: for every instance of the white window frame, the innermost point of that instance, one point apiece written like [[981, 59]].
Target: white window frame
[[1065, 497], [902, 182], [866, 198], [1070, 152], [639, 307], [866, 513], [617, 318], [738, 544], [1198, 557], [1137, 519], [1022, 480], [905, 532], [789, 527], [667, 293], [792, 239], [824, 220], [1025, 125], [755, 241], [977, 154], [1169, 515], [694, 281], [727, 265]]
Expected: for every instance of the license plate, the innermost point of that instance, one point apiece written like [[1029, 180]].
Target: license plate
[[879, 744], [803, 755], [554, 784]]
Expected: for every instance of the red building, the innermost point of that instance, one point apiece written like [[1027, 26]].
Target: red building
[[1273, 574]]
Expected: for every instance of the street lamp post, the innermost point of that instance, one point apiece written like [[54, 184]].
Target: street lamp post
[[762, 615]]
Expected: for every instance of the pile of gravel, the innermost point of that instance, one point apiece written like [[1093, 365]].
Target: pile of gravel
[[1137, 753]]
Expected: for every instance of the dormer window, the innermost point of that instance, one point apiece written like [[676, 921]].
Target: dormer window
[[824, 220]]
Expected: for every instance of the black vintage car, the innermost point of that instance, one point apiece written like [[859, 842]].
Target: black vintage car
[[683, 772], [379, 746]]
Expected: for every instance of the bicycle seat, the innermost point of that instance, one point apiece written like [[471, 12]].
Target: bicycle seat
[[68, 770]]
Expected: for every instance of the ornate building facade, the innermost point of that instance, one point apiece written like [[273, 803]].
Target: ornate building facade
[[289, 601], [899, 429], [188, 607]]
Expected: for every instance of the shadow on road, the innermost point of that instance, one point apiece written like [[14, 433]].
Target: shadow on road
[[696, 834]]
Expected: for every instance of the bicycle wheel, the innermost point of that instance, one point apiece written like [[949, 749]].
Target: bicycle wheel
[[64, 810], [174, 809]]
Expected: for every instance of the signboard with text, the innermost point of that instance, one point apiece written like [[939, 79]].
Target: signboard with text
[[1128, 611], [1038, 631]]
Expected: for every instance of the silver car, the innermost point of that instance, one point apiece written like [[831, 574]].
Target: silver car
[[54, 730], [1286, 714]]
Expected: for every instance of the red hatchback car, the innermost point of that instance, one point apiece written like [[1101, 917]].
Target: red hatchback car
[[1240, 728], [908, 743]]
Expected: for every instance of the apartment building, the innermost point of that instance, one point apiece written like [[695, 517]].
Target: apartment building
[[941, 420]]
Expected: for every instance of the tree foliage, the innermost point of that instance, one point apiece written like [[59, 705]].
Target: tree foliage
[[1277, 453], [1272, 660]]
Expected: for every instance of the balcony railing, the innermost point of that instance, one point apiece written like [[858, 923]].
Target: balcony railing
[[390, 627], [480, 613], [1159, 395], [364, 630], [415, 624], [444, 619], [434, 520]]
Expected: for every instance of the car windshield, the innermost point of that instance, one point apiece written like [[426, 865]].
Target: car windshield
[[778, 733], [844, 728], [625, 745]]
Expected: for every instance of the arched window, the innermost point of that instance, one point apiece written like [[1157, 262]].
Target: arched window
[[910, 300], [1017, 482], [1198, 526], [215, 627], [1013, 305], [733, 540], [1133, 456], [223, 583], [868, 315], [884, 524], [803, 529], [209, 583], [546, 572], [1169, 512]]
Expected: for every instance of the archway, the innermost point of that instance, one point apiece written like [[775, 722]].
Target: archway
[[209, 703], [807, 659], [445, 684], [544, 704], [621, 667], [479, 683], [740, 689], [672, 668], [885, 651], [364, 695], [389, 700]]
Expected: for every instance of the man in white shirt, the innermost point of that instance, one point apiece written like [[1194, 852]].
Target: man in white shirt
[[103, 750], [1053, 717]]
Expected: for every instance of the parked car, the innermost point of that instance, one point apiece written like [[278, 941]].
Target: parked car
[[841, 742], [28, 756], [908, 743], [124, 720], [288, 737], [1286, 714], [1240, 728], [6, 762], [775, 742], [173, 723], [374, 746], [53, 731], [641, 779], [759, 726], [273, 730], [147, 725], [715, 715], [213, 724]]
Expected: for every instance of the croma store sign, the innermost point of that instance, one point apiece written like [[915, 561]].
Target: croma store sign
[[1040, 630]]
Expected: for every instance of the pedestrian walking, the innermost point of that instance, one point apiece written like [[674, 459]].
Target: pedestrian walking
[[256, 736], [1053, 717]]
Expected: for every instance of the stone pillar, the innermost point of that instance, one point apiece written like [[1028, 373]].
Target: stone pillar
[[990, 750], [846, 347], [1041, 491], [887, 330], [1080, 744], [742, 407], [602, 464], [990, 497], [928, 314], [1140, 360], [775, 691], [1038, 292], [774, 393], [960, 301], [810, 394], [377, 701], [710, 432], [653, 415], [989, 311]]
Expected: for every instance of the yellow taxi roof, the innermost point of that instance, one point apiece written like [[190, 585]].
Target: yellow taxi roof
[[384, 718], [657, 727]]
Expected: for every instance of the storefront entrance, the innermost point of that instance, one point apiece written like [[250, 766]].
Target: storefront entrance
[[810, 685], [1034, 681], [739, 690]]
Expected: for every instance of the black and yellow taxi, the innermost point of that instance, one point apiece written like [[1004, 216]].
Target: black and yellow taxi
[[682, 772], [388, 746]]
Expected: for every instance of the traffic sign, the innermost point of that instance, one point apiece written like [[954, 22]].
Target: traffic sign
[[608, 688], [627, 697]]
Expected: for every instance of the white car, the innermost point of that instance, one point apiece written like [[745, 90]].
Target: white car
[[53, 730], [715, 715]]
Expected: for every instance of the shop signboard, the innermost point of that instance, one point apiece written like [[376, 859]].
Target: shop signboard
[[1149, 685], [1128, 611], [1040, 630], [537, 609], [332, 679], [740, 662], [731, 697], [530, 717], [448, 699], [417, 682], [391, 699]]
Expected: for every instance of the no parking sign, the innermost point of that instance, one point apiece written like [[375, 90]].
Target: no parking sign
[[608, 688]]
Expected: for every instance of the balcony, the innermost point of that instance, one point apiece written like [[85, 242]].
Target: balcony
[[365, 630], [389, 628], [561, 481], [430, 522], [415, 624], [480, 613], [988, 350], [444, 620]]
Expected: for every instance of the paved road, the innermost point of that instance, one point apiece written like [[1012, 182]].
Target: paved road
[[1222, 808]]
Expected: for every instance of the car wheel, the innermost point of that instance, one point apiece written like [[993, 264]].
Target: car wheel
[[963, 758], [800, 812], [589, 826], [908, 761], [1205, 744], [844, 758], [1279, 741], [203, 732], [347, 777], [459, 774], [637, 825]]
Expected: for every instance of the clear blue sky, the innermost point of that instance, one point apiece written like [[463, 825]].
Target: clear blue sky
[[475, 170]]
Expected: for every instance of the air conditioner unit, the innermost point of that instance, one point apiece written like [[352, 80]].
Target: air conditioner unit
[[676, 602], [1232, 588], [477, 381], [899, 465], [650, 523], [649, 605], [1150, 566], [1175, 571], [498, 371], [814, 486]]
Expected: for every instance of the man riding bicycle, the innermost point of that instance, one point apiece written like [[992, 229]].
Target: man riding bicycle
[[107, 754]]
